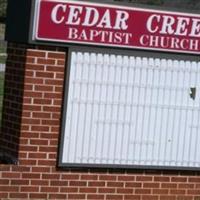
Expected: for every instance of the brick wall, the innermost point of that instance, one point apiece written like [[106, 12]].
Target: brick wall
[[30, 136]]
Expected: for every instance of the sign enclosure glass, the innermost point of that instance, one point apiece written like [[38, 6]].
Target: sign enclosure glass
[[131, 111]]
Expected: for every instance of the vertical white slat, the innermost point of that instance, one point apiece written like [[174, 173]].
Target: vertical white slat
[[150, 98], [118, 127], [125, 116], [92, 79], [162, 135], [187, 118], [175, 112], [131, 115], [182, 94], [137, 97], [87, 107], [111, 88], [194, 116], [82, 109], [143, 88], [155, 120], [167, 121], [197, 121], [105, 114], [98, 106]]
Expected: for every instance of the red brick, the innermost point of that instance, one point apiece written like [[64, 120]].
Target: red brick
[[19, 182], [133, 184], [34, 81], [115, 184], [96, 184], [107, 178], [32, 94], [4, 181], [3, 194], [53, 82], [132, 197], [144, 178], [36, 53], [168, 197], [95, 196], [162, 178], [51, 122], [178, 179], [193, 192], [35, 67], [186, 198], [69, 189], [186, 186], [38, 142], [41, 169], [51, 109], [27, 162], [49, 189], [106, 190], [60, 76], [9, 189], [29, 189], [47, 162], [53, 95], [55, 68], [177, 192], [142, 191], [38, 195], [60, 62], [194, 179], [5, 168], [124, 190], [58, 183], [41, 115], [11, 175], [19, 195], [28, 148], [198, 186], [31, 176], [40, 128], [151, 185], [169, 185], [42, 102], [44, 74], [89, 177], [56, 55], [57, 196], [77, 183], [88, 190], [126, 178], [32, 108], [160, 191], [76, 196], [46, 61], [114, 197], [39, 182], [150, 197]]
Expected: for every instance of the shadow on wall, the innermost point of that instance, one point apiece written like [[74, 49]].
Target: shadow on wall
[[12, 104]]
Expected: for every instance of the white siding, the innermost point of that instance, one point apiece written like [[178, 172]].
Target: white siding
[[132, 111]]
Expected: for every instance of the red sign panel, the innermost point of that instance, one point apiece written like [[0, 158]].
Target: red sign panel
[[116, 26]]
